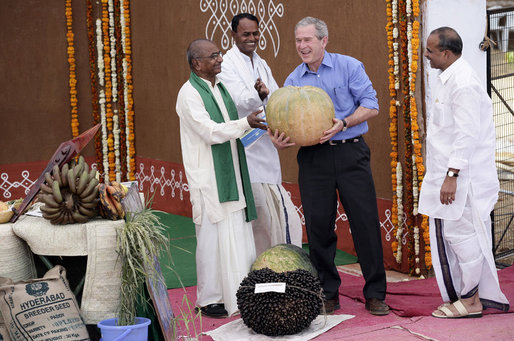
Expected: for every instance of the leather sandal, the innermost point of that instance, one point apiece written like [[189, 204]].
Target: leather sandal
[[461, 309]]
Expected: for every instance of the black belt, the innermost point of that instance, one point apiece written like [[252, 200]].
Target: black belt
[[336, 142]]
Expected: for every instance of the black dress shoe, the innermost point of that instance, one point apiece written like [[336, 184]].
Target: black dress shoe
[[330, 306], [376, 306], [216, 310]]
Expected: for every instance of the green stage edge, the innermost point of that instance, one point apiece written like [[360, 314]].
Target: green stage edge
[[179, 270]]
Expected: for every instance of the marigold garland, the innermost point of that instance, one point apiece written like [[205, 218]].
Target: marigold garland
[[71, 63], [399, 230], [94, 82], [102, 100], [129, 102], [393, 126], [408, 229], [413, 237], [108, 23], [120, 88], [426, 239], [108, 139], [403, 44], [116, 167]]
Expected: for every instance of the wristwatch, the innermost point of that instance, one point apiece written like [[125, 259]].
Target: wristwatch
[[452, 174], [345, 125]]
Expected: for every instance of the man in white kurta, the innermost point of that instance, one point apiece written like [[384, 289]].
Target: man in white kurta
[[225, 245], [461, 185], [250, 83]]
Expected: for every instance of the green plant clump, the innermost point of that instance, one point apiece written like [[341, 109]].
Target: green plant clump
[[139, 243]]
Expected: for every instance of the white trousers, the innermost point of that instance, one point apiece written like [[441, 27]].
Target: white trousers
[[465, 246], [275, 212], [467, 256], [225, 252]]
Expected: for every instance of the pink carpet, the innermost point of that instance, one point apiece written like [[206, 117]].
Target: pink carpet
[[412, 302], [419, 297]]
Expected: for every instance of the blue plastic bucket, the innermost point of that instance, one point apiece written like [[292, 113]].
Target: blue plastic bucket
[[136, 332]]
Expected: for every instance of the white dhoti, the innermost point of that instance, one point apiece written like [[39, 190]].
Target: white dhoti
[[277, 220], [463, 260], [225, 252]]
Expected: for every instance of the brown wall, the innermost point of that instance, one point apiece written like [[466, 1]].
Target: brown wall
[[34, 99], [34, 92]]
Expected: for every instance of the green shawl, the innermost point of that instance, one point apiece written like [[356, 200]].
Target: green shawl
[[222, 154]]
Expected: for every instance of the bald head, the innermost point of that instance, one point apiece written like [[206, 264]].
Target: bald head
[[195, 49], [204, 59], [449, 40]]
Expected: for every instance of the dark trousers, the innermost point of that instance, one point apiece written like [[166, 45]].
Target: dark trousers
[[325, 170]]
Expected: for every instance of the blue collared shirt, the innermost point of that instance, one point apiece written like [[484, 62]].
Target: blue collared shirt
[[345, 81]]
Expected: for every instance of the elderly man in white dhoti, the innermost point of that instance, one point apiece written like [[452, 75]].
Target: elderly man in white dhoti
[[250, 83], [461, 185], [219, 185]]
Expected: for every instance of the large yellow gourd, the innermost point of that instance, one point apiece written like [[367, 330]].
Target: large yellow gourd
[[302, 113]]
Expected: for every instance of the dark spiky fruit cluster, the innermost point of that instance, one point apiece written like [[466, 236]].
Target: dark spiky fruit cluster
[[276, 314]]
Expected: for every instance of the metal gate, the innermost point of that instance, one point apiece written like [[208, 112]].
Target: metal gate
[[500, 73]]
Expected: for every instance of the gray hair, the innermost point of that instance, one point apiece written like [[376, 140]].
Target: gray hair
[[194, 50], [319, 25]]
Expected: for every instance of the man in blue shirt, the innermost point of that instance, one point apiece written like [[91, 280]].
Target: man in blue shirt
[[339, 163]]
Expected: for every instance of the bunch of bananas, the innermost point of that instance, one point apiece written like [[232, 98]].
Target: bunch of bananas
[[110, 200], [70, 194]]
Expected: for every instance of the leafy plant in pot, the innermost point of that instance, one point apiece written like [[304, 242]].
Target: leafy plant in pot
[[139, 244]]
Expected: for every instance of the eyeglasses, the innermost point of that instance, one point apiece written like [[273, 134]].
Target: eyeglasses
[[213, 56]]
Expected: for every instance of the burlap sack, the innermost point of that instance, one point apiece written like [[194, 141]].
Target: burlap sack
[[41, 309], [16, 261], [97, 240], [4, 334]]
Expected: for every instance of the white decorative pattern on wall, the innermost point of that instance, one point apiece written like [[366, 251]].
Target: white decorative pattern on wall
[[165, 181], [175, 180], [6, 185], [162, 181], [388, 227], [222, 12]]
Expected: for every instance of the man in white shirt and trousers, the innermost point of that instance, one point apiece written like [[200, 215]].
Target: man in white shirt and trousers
[[250, 83], [219, 184], [461, 185]]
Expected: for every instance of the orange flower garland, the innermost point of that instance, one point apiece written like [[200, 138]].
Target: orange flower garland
[[121, 149], [94, 82], [129, 102], [73, 76], [111, 175], [403, 44], [393, 126], [108, 23], [405, 53], [426, 239]]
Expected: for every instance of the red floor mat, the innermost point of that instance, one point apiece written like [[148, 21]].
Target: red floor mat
[[419, 297]]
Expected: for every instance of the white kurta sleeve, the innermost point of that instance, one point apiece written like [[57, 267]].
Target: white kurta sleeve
[[268, 80], [191, 111]]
